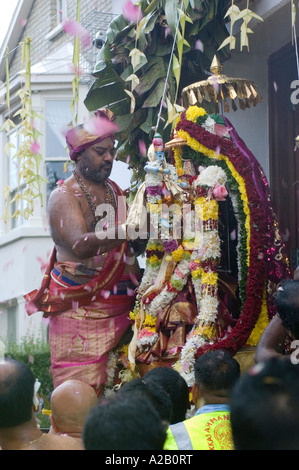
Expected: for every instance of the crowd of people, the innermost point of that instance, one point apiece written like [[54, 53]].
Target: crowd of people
[[226, 409]]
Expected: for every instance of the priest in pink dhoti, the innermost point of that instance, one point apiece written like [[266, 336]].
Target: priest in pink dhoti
[[88, 288]]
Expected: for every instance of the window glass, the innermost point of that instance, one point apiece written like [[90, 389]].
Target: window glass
[[58, 116], [58, 166], [55, 171]]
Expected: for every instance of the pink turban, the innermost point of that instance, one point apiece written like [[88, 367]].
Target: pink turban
[[78, 138]]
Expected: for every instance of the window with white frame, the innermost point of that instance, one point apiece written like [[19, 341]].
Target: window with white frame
[[58, 166]]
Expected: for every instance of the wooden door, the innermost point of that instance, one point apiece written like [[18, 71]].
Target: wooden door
[[284, 159]]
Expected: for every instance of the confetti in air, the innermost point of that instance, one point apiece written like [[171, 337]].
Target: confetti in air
[[199, 45], [43, 263], [132, 12], [35, 148], [142, 148], [30, 308], [100, 126], [73, 28], [23, 22]]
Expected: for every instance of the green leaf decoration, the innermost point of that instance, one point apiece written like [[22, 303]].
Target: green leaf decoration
[[30, 181], [142, 68]]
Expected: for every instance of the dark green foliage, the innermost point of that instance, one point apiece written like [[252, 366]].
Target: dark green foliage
[[205, 23], [36, 354]]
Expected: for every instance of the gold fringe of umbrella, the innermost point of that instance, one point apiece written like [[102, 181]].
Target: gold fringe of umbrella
[[218, 89], [175, 142]]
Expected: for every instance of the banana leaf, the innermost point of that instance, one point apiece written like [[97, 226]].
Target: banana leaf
[[154, 36]]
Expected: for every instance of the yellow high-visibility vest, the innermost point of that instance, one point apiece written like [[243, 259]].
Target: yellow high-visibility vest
[[209, 430]]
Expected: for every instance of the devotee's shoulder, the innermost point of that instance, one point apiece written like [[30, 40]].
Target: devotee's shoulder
[[65, 194], [56, 442]]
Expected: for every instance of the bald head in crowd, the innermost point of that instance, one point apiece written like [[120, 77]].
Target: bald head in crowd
[[70, 404]]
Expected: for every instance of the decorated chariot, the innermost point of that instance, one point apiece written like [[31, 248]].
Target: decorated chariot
[[214, 255]]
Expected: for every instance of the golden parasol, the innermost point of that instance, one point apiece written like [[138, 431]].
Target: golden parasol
[[219, 88]]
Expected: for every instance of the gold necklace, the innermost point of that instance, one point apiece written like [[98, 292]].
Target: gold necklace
[[109, 198], [34, 440]]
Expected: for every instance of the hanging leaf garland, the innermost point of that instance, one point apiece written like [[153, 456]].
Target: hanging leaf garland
[[27, 155], [235, 14]]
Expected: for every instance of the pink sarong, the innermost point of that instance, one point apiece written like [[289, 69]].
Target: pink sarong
[[81, 338]]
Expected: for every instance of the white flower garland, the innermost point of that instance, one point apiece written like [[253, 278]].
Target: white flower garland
[[204, 247], [204, 278]]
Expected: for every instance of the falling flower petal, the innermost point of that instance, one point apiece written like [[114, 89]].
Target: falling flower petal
[[218, 148], [35, 148], [134, 279], [132, 12], [199, 45], [100, 126], [43, 263], [73, 28], [215, 84], [22, 22], [105, 293], [88, 288], [31, 359], [6, 265], [164, 104], [233, 235], [173, 350], [30, 308], [142, 148], [76, 70], [75, 244]]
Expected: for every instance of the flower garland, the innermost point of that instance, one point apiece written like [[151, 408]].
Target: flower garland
[[160, 248], [223, 166], [203, 267], [197, 256], [217, 149]]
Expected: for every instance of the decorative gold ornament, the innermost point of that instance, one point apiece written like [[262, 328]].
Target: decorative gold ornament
[[175, 142], [219, 88]]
